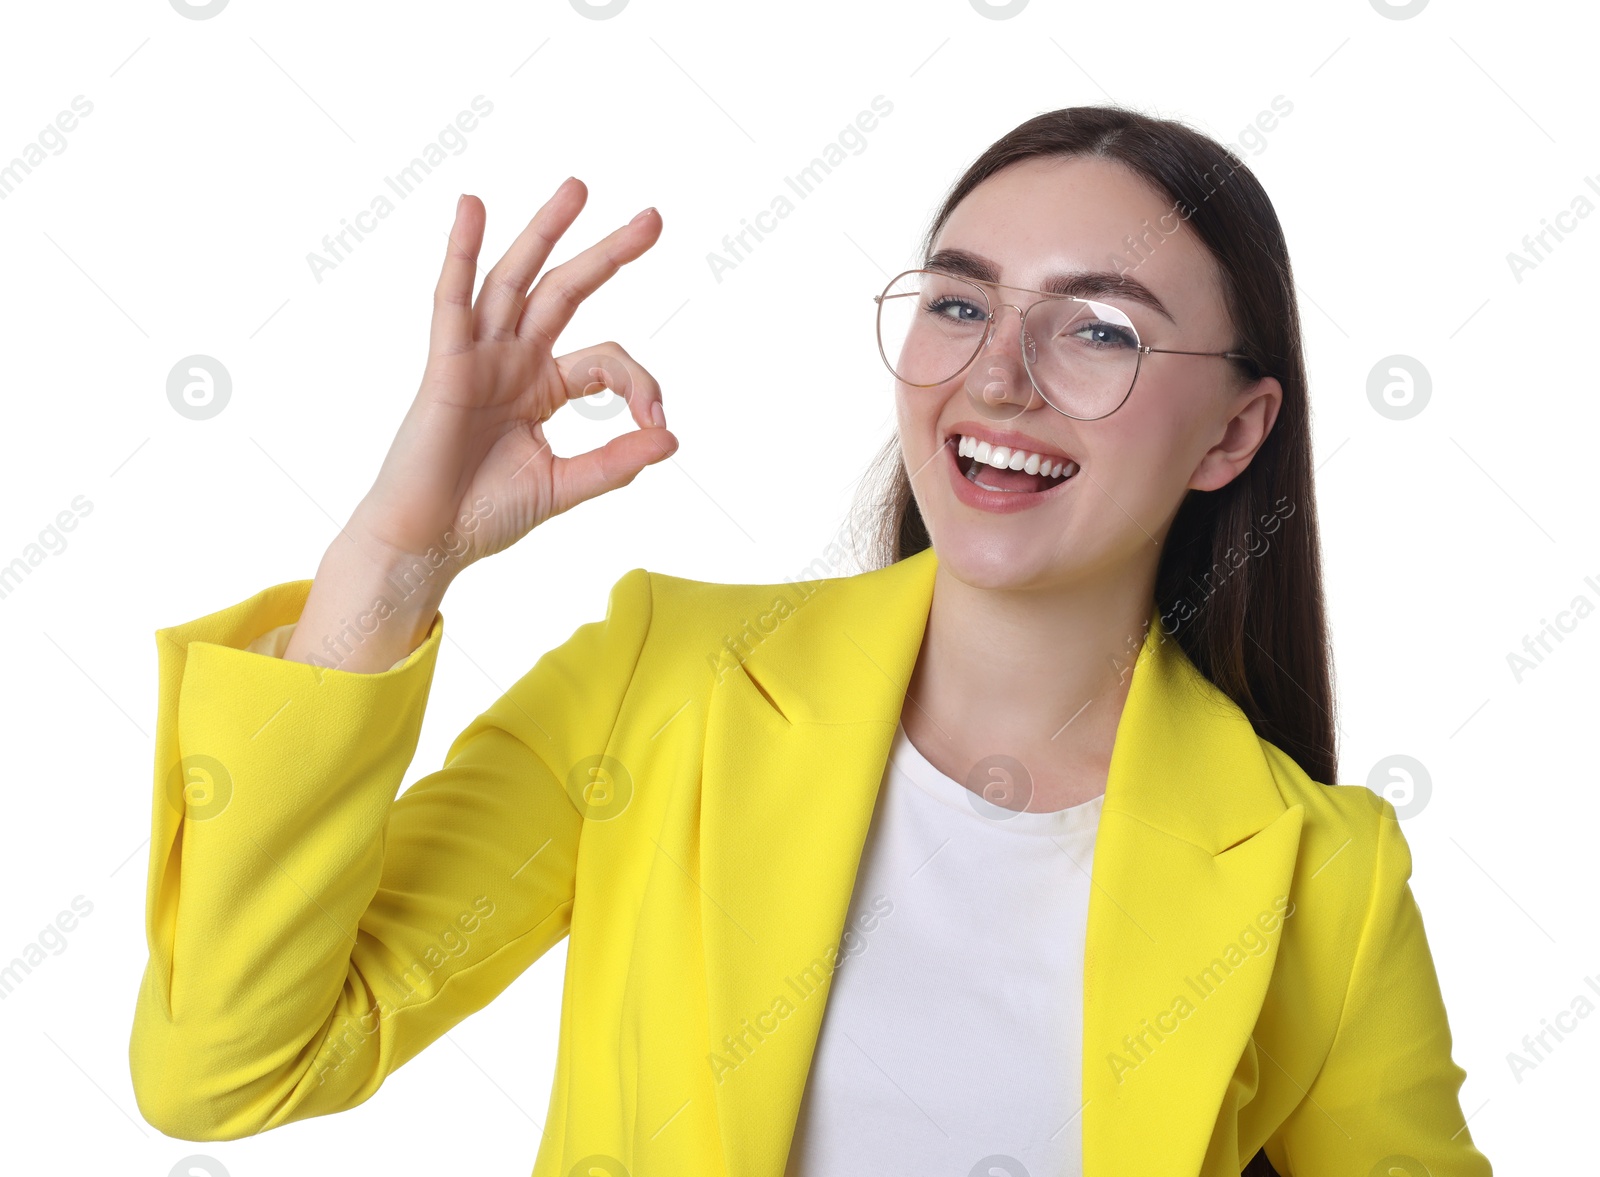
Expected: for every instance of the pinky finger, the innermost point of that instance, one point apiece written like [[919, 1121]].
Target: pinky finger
[[452, 297]]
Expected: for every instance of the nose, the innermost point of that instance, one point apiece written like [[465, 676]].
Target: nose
[[997, 384]]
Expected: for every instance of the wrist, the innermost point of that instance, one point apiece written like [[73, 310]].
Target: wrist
[[390, 584], [364, 613], [399, 581]]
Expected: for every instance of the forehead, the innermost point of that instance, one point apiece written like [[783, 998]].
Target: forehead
[[1045, 216]]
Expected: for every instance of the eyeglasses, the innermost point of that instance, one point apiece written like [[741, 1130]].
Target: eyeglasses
[[1082, 356]]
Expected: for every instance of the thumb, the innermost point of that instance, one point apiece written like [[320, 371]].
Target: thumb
[[611, 466]]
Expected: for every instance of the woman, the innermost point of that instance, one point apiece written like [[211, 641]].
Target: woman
[[1032, 809]]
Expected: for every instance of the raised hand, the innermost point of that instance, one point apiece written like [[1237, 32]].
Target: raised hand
[[474, 434], [469, 471]]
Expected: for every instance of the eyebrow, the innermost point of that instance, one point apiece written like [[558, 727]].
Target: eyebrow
[[1076, 283]]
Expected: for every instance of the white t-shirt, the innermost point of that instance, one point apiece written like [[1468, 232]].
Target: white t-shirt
[[953, 1029]]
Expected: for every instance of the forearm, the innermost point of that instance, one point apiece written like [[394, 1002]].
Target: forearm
[[367, 609]]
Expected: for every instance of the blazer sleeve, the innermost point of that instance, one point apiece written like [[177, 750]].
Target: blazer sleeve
[[308, 931], [1389, 1088]]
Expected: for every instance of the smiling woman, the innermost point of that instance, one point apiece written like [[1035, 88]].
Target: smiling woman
[[1016, 346], [1074, 836]]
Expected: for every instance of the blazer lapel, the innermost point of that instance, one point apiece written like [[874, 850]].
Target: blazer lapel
[[1190, 884], [797, 738], [1194, 844]]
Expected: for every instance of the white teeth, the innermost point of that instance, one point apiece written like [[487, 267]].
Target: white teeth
[[1003, 458]]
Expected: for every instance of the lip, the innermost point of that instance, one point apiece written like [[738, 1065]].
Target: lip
[[998, 502], [1009, 438]]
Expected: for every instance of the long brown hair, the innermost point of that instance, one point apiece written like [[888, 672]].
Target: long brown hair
[[1251, 621]]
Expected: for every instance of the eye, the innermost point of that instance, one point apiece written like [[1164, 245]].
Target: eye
[[963, 307], [1102, 335]]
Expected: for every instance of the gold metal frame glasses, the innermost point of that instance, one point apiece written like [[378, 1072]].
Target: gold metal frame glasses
[[1099, 309]]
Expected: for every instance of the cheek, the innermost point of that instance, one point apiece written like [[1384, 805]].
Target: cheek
[[915, 417], [1143, 458], [902, 410]]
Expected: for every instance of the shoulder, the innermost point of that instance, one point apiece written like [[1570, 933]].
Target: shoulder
[[1352, 868], [680, 622], [1350, 821], [685, 597], [676, 603]]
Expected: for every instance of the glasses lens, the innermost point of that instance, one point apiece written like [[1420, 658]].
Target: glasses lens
[[930, 326], [1083, 355]]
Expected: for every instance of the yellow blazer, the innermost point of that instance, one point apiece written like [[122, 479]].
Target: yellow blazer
[[683, 789]]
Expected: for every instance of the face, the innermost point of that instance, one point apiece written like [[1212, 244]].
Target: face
[[1189, 422]]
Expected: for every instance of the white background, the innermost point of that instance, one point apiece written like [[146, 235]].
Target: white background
[[219, 152]]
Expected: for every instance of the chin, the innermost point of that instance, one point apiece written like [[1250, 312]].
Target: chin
[[992, 561]]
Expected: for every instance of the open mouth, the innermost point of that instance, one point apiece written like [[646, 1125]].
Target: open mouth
[[1015, 471]]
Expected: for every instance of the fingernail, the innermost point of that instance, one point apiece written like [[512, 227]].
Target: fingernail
[[459, 199], [658, 415], [642, 215]]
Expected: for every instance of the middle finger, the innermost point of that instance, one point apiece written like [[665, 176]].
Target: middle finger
[[505, 287], [558, 292]]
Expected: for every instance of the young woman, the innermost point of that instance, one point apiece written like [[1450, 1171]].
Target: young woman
[[1009, 855]]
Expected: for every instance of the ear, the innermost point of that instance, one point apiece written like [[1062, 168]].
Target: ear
[[1255, 408]]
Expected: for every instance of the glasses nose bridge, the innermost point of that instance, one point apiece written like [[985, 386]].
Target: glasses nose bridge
[[994, 325]]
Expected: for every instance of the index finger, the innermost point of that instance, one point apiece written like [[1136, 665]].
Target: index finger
[[505, 286], [451, 330], [555, 297]]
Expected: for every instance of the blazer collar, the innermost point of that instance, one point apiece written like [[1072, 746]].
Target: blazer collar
[[1195, 842]]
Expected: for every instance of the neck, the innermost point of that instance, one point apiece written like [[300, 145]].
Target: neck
[[1038, 675]]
